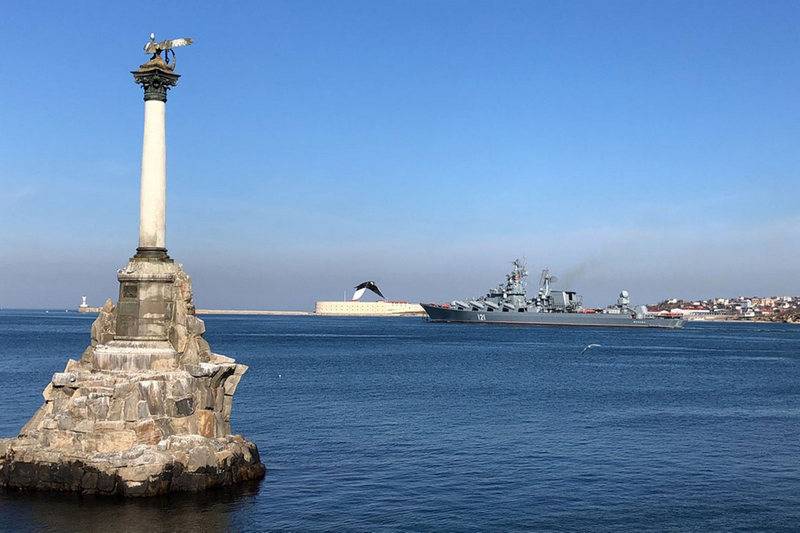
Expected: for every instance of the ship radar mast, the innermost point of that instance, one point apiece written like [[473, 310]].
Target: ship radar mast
[[545, 279], [515, 282]]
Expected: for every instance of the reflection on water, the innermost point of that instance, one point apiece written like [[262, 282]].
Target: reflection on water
[[209, 511]]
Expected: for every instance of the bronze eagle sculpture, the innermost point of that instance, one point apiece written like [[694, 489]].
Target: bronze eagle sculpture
[[155, 48]]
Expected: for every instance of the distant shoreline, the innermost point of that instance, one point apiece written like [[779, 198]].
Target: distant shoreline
[[268, 312], [250, 312], [223, 312]]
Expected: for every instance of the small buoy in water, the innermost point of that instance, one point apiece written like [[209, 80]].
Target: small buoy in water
[[589, 346]]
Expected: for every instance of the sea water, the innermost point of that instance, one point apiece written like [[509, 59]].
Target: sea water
[[399, 424]]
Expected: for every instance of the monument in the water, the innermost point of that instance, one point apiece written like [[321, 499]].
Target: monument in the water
[[146, 410]]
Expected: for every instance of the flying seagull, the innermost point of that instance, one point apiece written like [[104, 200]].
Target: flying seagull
[[362, 287], [589, 346]]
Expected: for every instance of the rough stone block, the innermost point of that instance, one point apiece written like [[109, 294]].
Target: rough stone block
[[165, 425], [183, 407], [201, 457], [152, 391], [123, 389], [227, 406], [148, 432], [203, 349], [88, 354], [206, 423], [109, 425], [98, 406], [219, 399], [115, 411], [163, 363], [130, 407], [231, 383], [65, 422], [115, 441], [130, 418], [179, 337], [100, 392], [142, 410], [222, 372], [203, 396], [195, 326], [84, 426], [47, 393], [220, 359], [64, 379], [186, 425], [191, 353], [201, 370]]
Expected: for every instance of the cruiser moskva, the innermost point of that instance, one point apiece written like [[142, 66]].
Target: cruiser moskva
[[509, 304]]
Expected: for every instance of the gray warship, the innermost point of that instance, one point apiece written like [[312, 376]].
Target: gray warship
[[508, 303]]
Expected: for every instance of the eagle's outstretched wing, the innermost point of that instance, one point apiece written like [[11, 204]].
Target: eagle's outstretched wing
[[174, 43]]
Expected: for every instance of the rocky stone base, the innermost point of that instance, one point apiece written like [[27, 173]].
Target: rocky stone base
[[147, 408], [179, 463]]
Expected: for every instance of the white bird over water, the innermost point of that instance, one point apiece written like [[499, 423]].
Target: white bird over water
[[590, 346]]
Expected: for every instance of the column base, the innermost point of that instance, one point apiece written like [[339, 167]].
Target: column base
[[135, 355], [149, 253]]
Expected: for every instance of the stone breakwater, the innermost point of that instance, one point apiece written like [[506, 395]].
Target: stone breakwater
[[136, 418]]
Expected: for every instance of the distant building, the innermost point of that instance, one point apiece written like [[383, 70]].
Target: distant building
[[690, 312], [358, 308]]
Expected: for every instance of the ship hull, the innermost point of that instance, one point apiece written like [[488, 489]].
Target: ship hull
[[437, 313]]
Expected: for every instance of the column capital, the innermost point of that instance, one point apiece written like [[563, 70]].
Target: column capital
[[157, 78]]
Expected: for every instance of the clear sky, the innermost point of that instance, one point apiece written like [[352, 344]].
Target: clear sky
[[652, 146]]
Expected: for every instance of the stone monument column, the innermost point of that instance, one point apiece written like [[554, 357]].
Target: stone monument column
[[146, 409], [156, 79], [146, 284]]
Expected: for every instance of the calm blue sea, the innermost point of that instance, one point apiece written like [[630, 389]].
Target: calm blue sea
[[397, 424]]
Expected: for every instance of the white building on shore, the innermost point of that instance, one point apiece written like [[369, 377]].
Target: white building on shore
[[358, 308]]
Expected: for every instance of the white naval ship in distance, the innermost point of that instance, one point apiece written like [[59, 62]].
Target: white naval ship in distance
[[508, 303]]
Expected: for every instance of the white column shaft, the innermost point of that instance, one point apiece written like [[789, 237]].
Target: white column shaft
[[153, 199]]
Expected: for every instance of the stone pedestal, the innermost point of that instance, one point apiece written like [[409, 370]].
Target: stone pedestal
[[137, 417], [145, 300]]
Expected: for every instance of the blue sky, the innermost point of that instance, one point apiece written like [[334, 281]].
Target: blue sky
[[651, 146]]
